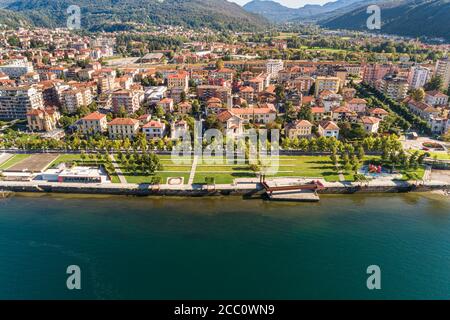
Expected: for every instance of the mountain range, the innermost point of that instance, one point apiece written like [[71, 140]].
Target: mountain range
[[111, 15], [414, 18], [276, 12]]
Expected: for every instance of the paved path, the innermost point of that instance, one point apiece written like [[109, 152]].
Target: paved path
[[427, 173], [118, 170], [4, 157], [194, 167]]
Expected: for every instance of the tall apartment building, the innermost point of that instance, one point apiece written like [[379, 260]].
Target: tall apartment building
[[394, 87], [73, 99], [376, 72], [273, 67], [178, 80], [418, 76], [15, 102], [129, 99], [327, 83], [209, 91], [17, 68], [443, 70]]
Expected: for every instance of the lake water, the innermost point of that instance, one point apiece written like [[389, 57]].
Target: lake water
[[225, 248]]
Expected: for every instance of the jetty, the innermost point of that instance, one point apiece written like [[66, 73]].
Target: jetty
[[297, 190]]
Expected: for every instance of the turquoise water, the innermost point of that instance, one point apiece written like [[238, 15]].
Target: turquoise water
[[225, 248]]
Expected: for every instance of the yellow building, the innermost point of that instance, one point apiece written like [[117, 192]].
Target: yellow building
[[326, 83]]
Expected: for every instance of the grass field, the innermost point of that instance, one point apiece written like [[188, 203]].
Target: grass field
[[181, 167], [287, 166], [13, 160]]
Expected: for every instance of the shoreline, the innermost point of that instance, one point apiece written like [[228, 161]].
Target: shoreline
[[249, 190]]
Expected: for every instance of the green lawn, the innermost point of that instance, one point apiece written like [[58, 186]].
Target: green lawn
[[288, 166], [13, 160], [307, 166], [138, 177], [413, 174]]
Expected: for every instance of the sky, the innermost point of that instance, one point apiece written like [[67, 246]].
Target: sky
[[289, 3]]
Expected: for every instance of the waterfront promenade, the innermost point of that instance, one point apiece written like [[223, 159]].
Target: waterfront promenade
[[241, 187]]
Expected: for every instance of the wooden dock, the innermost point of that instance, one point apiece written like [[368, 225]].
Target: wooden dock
[[299, 195], [304, 192]]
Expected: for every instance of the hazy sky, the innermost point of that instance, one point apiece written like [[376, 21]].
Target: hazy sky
[[289, 3]]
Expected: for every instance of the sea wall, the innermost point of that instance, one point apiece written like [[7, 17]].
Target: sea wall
[[257, 192]]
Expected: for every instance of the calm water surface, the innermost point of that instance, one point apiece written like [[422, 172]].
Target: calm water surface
[[227, 248]]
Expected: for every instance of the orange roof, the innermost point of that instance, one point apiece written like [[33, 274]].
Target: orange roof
[[94, 116], [379, 111], [123, 121], [318, 110], [357, 101], [342, 110], [247, 89], [329, 125], [153, 124], [224, 116], [370, 120], [239, 111], [166, 100]]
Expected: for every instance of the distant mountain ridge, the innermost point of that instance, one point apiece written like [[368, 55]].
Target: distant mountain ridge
[[414, 18], [276, 12], [119, 14]]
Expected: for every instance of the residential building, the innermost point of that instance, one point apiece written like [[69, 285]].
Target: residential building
[[394, 87], [223, 93], [274, 66], [422, 109], [436, 98], [298, 129], [120, 128], [328, 129], [233, 124], [179, 129], [43, 119], [442, 70], [418, 76], [127, 99], [262, 114], [93, 123], [154, 129], [378, 113], [166, 104], [15, 102], [331, 84], [73, 99], [371, 124]]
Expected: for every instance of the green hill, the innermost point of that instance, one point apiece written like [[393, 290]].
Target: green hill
[[119, 14], [414, 18]]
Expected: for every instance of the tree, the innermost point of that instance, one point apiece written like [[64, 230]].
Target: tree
[[418, 94], [219, 64], [435, 83], [305, 113]]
